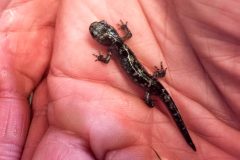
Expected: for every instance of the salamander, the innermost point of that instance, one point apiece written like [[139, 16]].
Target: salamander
[[106, 35]]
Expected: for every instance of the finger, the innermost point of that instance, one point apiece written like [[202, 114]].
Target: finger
[[39, 123], [25, 46], [59, 143]]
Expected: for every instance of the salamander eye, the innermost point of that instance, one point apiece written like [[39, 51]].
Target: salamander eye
[[94, 33]]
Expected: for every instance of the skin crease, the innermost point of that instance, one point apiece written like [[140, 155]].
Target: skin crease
[[87, 110]]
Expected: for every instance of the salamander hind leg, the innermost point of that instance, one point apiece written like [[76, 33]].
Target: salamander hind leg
[[148, 99], [159, 72], [127, 33], [100, 57]]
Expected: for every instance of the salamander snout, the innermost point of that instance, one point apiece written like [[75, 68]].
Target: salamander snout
[[97, 29]]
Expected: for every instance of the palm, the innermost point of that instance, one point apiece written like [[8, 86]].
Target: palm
[[94, 109]]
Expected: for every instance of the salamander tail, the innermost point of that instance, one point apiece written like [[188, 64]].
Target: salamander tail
[[173, 110]]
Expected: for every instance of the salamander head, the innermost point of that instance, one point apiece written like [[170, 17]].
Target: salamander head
[[103, 33]]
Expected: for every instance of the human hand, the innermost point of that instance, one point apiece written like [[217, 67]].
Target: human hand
[[87, 110]]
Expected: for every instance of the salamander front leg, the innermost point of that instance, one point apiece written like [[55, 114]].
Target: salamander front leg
[[127, 33], [148, 99], [100, 57], [159, 72]]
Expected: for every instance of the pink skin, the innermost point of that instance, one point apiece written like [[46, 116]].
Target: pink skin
[[83, 109]]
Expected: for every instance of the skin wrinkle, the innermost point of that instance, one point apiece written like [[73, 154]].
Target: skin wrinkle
[[225, 30], [214, 113], [223, 37], [27, 77], [226, 72], [60, 73], [3, 5], [214, 144], [222, 10], [217, 90], [19, 3], [7, 94], [224, 119], [35, 25], [152, 33]]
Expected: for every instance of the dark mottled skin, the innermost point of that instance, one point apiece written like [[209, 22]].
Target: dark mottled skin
[[106, 35]]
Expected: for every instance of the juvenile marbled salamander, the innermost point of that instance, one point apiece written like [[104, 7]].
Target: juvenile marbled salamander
[[106, 35]]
